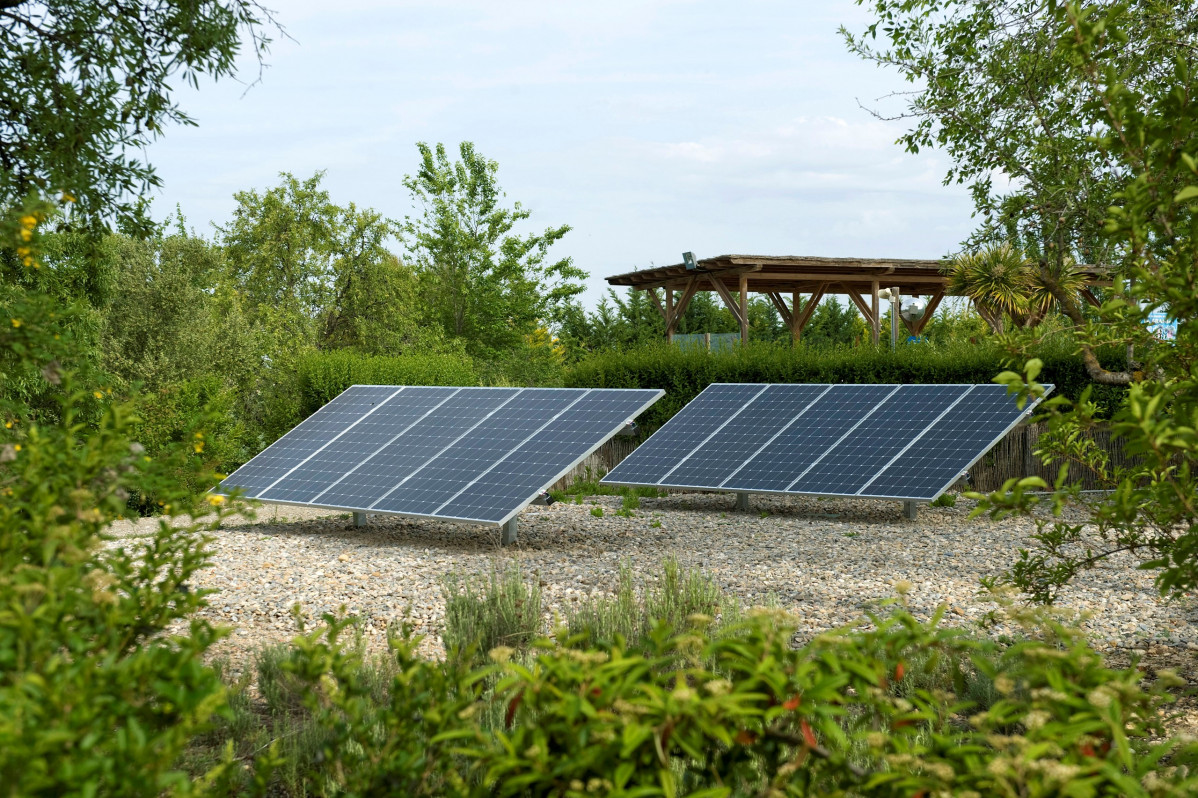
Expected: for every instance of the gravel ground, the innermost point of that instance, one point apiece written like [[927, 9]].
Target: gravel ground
[[825, 560]]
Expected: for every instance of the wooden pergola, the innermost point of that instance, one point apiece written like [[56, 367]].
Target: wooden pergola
[[786, 279]]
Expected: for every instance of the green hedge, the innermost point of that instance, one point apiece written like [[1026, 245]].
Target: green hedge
[[323, 375], [684, 373]]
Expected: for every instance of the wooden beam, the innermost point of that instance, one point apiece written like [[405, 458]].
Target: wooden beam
[[679, 279], [725, 295], [680, 308], [861, 306], [1088, 295], [801, 319], [933, 303], [660, 307], [744, 310], [783, 311], [669, 314]]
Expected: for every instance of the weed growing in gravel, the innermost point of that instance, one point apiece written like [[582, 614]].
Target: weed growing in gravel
[[589, 485], [944, 500], [655, 523], [674, 597], [597, 512], [482, 613], [630, 502]]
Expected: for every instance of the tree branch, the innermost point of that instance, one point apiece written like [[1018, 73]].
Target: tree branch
[[1070, 308]]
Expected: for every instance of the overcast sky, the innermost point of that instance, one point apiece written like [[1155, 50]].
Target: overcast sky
[[649, 126]]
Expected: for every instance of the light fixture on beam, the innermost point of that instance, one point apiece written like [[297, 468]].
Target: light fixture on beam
[[688, 259]]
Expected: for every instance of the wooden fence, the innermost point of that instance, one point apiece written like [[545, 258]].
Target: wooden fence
[[1013, 456]]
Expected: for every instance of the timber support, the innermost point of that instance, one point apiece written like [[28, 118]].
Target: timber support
[[508, 536]]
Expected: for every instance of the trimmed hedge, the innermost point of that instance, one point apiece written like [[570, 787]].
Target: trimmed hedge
[[322, 375], [684, 373]]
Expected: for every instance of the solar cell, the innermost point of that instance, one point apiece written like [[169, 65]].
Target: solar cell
[[907, 442], [477, 454]]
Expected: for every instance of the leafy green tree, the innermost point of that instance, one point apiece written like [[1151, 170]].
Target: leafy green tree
[[833, 324], [482, 283], [1000, 98], [1148, 129], [85, 86], [314, 274]]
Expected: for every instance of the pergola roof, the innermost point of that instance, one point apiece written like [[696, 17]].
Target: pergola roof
[[801, 273], [734, 277]]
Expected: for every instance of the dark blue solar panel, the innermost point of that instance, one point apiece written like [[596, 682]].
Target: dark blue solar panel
[[302, 442], [950, 447], [329, 465], [442, 477], [881, 435], [385, 469], [750, 429], [553, 450], [682, 434], [803, 442]]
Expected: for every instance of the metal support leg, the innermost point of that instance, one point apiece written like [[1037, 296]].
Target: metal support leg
[[509, 533], [359, 519], [742, 501], [909, 509]]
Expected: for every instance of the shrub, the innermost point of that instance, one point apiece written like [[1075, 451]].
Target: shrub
[[322, 375], [482, 613], [897, 708], [684, 373], [96, 695]]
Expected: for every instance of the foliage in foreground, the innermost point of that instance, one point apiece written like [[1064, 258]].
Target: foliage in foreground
[[101, 679], [903, 708]]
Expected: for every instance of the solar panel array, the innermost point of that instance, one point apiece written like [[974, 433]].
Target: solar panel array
[[463, 454], [907, 442]]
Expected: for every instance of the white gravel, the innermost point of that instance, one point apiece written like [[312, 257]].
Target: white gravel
[[825, 560]]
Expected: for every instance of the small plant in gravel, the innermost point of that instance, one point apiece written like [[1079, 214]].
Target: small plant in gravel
[[597, 512], [944, 500], [481, 613]]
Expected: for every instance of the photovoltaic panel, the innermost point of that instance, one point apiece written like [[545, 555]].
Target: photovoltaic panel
[[274, 462], [472, 454], [908, 442], [966, 432]]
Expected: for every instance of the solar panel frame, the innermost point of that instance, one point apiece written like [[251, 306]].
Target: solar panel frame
[[1027, 410], [651, 396]]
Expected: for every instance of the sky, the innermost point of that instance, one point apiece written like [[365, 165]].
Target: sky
[[649, 126]]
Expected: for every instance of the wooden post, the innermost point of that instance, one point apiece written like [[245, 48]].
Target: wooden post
[[707, 341], [876, 325], [744, 309], [795, 329]]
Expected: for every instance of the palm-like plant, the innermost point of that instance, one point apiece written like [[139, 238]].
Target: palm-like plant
[[998, 281], [1003, 282]]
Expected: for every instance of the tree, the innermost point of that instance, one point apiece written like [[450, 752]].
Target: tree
[[1003, 283], [484, 285], [316, 274], [84, 87], [1149, 130], [1002, 99]]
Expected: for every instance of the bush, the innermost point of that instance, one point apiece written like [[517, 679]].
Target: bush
[[684, 373], [322, 375], [102, 682], [897, 708], [481, 613]]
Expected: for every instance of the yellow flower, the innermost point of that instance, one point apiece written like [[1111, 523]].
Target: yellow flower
[[29, 262], [199, 447], [16, 322], [67, 197], [17, 448], [28, 220], [97, 394], [22, 251], [215, 499], [26, 235]]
